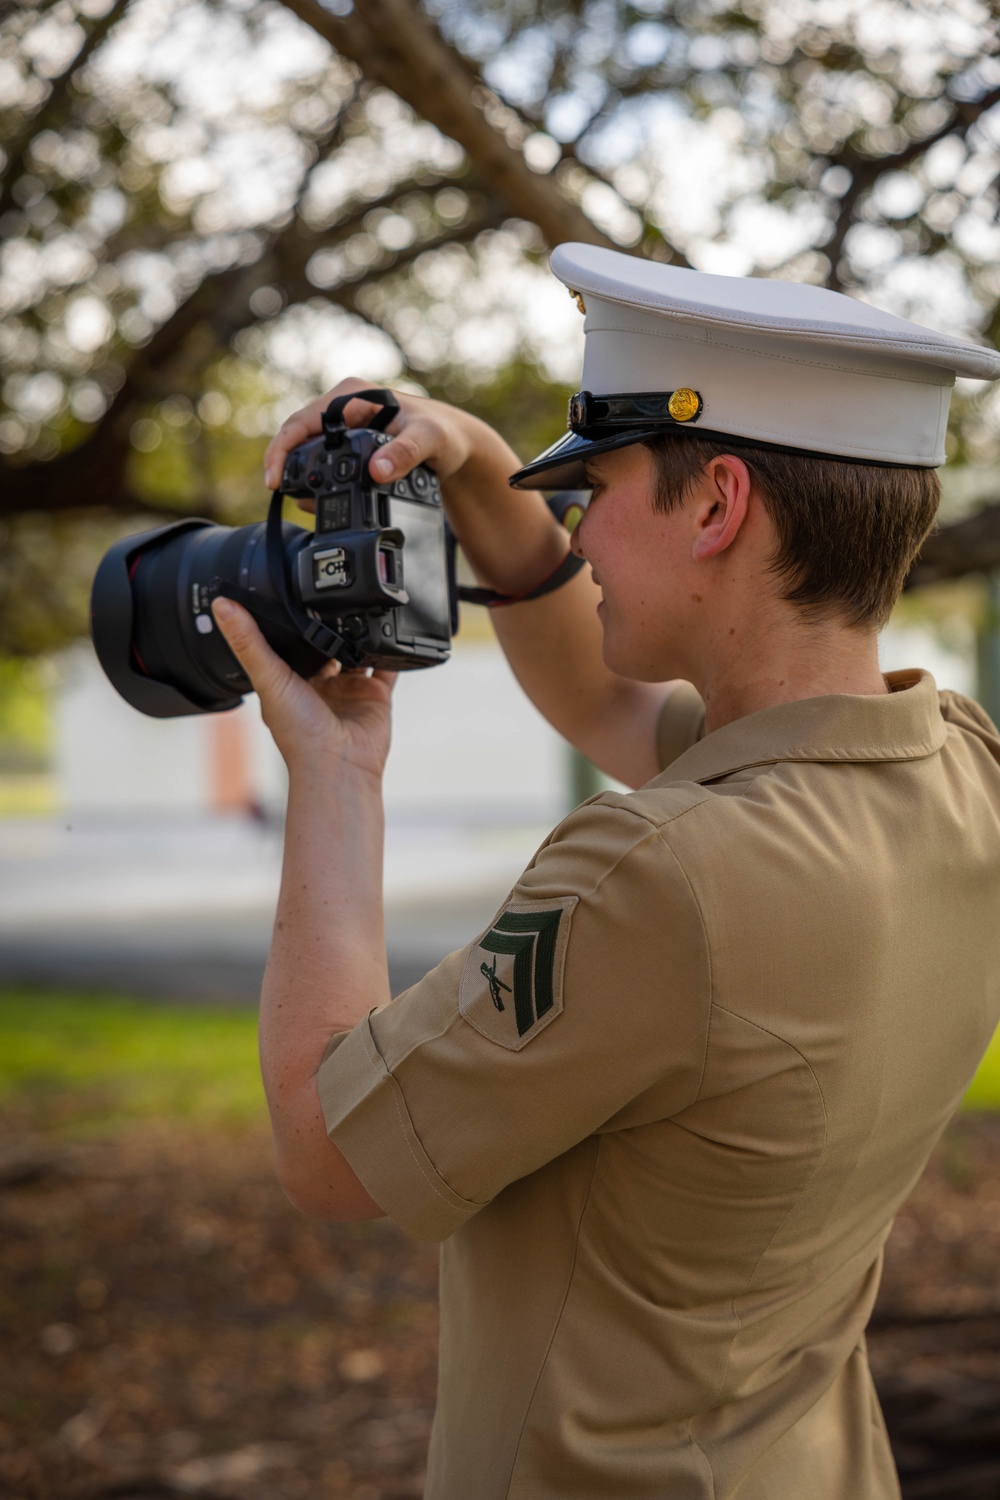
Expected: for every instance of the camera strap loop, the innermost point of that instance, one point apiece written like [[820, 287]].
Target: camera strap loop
[[333, 417]]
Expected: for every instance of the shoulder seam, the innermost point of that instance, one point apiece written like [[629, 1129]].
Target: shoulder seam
[[654, 823]]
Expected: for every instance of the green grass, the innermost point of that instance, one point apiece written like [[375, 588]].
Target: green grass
[[984, 1092], [80, 1061], [77, 1062]]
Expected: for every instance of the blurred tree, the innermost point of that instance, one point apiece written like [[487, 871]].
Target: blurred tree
[[201, 200]]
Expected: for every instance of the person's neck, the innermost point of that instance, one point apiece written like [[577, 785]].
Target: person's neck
[[782, 661]]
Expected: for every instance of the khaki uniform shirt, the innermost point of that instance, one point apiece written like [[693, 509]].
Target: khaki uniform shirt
[[664, 1110]]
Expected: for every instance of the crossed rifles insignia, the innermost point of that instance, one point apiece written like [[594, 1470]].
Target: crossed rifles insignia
[[489, 973], [512, 984]]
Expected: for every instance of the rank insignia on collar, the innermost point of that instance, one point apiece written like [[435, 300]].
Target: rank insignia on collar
[[512, 984]]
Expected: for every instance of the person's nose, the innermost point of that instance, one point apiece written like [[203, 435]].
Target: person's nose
[[574, 538]]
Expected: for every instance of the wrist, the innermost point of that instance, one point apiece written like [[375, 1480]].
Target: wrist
[[330, 773]]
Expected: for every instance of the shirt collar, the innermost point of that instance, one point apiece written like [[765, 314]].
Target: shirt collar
[[903, 724]]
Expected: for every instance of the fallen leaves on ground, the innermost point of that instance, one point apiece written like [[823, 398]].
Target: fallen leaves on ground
[[174, 1328]]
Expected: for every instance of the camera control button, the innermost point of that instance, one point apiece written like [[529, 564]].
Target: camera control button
[[346, 467], [354, 627], [419, 481]]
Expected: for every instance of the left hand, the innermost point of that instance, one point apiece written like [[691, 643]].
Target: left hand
[[335, 716]]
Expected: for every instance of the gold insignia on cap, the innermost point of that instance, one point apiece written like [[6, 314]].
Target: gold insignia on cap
[[684, 404], [577, 298], [572, 517]]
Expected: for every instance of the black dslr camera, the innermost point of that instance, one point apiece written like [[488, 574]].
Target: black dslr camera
[[373, 586]]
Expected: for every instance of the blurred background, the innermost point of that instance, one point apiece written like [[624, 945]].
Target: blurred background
[[211, 211]]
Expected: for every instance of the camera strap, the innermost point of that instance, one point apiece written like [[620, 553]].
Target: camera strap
[[286, 616], [570, 565], [326, 642], [567, 506]]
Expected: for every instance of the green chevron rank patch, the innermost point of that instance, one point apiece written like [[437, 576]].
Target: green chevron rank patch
[[512, 982]]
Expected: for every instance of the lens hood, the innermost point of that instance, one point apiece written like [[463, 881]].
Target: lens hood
[[111, 630]]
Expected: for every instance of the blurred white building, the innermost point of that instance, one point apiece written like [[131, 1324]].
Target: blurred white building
[[467, 745]]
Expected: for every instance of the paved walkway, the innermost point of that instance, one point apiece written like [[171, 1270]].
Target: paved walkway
[[182, 909]]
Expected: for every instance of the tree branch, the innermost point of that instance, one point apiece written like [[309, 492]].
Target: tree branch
[[969, 546], [652, 237], [94, 474], [395, 44], [865, 171], [51, 115]]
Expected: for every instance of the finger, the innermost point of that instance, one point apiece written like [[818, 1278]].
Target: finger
[[304, 424], [327, 673], [294, 430], [417, 443], [265, 669], [389, 678]]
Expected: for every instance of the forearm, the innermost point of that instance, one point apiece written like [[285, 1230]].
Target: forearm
[[325, 972], [512, 542], [509, 537]]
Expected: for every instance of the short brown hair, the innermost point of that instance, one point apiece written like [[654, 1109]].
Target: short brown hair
[[847, 532]]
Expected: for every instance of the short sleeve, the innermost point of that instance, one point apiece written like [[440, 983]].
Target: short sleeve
[[681, 724], [583, 1007]]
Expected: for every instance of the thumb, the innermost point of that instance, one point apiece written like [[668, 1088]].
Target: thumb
[[242, 634]]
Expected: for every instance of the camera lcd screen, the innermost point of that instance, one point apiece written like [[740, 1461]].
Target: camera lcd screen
[[425, 576], [334, 512]]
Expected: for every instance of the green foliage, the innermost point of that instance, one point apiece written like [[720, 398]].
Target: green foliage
[[24, 715], [191, 230], [984, 1092], [83, 1061], [528, 409]]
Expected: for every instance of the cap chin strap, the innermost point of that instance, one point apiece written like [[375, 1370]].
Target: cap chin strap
[[621, 410]]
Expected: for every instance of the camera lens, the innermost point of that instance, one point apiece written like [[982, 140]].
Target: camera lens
[[151, 619]]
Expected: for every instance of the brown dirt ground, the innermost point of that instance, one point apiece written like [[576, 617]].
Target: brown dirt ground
[[174, 1327]]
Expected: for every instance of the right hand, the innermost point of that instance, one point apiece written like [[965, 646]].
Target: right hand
[[424, 431], [509, 537], [336, 722]]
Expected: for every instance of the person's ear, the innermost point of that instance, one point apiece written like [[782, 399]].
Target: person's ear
[[722, 495]]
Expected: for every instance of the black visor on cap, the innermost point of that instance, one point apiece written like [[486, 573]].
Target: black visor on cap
[[561, 467]]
